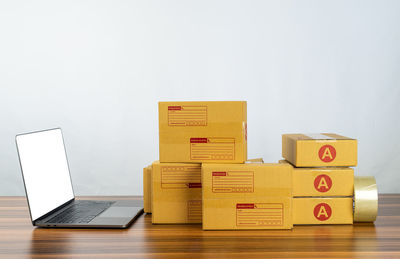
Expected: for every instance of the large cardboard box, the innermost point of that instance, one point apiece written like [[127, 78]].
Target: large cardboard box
[[322, 211], [176, 195], [247, 196], [322, 181], [147, 189], [315, 150], [212, 132]]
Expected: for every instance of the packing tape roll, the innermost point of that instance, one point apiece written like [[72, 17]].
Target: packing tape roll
[[365, 199]]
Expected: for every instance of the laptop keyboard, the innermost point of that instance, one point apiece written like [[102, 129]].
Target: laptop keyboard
[[81, 212]]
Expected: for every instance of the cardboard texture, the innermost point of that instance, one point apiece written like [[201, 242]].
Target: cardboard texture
[[176, 197], [319, 150], [322, 211], [247, 196], [322, 181], [147, 189], [212, 132]]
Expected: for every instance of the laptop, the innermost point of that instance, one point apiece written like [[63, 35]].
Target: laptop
[[49, 191]]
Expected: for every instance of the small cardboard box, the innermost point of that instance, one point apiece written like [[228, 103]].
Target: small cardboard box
[[212, 132], [247, 196], [316, 150], [176, 197], [147, 189], [322, 181], [247, 213], [322, 211]]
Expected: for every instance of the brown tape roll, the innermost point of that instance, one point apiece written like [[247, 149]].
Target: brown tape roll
[[365, 199]]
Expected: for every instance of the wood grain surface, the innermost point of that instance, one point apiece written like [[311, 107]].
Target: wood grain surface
[[19, 239]]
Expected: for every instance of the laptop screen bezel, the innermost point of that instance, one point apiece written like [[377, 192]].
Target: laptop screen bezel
[[23, 178]]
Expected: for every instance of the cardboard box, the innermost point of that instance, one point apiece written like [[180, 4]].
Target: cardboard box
[[250, 213], [212, 132], [315, 150], [147, 189], [247, 196], [322, 181], [322, 211], [176, 195]]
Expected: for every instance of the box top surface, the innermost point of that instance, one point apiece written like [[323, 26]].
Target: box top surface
[[249, 165], [175, 164], [198, 102], [317, 136], [326, 168]]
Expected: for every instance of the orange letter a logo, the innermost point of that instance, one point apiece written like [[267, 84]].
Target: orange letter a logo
[[322, 211], [322, 183], [327, 153]]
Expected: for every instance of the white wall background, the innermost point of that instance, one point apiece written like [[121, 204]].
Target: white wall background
[[98, 68]]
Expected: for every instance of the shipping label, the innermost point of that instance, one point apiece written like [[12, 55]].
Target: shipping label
[[259, 214], [233, 182], [187, 115], [194, 210], [179, 177], [212, 148]]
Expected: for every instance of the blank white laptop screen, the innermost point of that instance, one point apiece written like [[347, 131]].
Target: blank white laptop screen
[[45, 170]]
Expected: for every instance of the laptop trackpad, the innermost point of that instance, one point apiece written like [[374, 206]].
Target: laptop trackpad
[[117, 212]]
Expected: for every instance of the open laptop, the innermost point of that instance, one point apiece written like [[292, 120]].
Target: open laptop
[[49, 191]]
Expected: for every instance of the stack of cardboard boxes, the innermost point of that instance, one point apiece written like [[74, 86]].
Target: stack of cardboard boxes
[[203, 175], [323, 182], [191, 133]]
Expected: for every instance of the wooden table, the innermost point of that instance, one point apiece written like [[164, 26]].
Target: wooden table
[[18, 238]]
